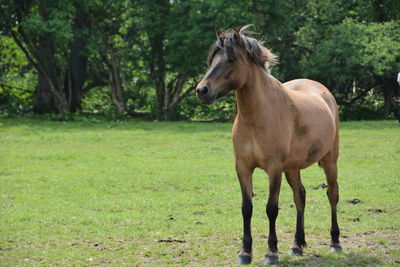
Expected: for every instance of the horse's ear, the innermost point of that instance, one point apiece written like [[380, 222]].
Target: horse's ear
[[218, 32], [236, 35]]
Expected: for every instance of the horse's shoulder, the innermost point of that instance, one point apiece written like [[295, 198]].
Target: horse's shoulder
[[304, 88], [305, 85], [294, 84]]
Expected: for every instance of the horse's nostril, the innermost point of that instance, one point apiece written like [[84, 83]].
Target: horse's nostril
[[202, 91]]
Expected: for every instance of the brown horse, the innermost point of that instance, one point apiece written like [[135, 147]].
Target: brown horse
[[280, 128]]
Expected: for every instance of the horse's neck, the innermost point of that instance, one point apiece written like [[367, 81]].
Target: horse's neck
[[262, 96]]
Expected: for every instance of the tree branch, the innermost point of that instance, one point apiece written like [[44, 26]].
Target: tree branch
[[15, 87], [359, 96], [186, 93], [23, 48]]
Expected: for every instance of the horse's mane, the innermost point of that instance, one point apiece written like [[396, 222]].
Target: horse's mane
[[237, 44]]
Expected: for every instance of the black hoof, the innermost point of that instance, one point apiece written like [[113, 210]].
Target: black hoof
[[295, 251], [271, 259], [243, 259], [335, 249]]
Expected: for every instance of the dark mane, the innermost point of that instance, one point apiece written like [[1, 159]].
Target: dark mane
[[237, 45]]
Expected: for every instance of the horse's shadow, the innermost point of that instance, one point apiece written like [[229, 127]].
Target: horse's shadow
[[344, 259]]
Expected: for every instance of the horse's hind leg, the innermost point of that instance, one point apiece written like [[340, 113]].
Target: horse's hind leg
[[329, 164], [246, 185], [299, 196]]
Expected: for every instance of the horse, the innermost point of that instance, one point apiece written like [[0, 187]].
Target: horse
[[279, 128]]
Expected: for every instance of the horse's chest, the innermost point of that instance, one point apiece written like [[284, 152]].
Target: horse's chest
[[252, 149]]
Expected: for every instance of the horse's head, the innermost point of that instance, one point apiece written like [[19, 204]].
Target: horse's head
[[229, 62]]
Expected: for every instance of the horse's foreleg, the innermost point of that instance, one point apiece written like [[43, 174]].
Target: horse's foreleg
[[330, 169], [299, 196], [275, 180], [246, 185]]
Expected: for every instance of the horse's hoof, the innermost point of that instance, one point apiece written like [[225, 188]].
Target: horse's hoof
[[295, 251], [271, 259], [335, 249], [243, 260]]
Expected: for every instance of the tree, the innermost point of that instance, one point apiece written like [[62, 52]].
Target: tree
[[147, 55], [43, 30], [17, 79], [57, 38], [173, 38], [278, 21], [78, 59], [106, 19], [348, 54]]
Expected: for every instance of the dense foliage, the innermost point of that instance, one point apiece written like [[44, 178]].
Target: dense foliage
[[130, 57]]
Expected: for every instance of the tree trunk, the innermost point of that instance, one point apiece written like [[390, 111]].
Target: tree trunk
[[50, 92], [44, 102], [160, 95], [50, 95], [388, 92], [173, 95], [116, 88], [114, 80], [78, 63]]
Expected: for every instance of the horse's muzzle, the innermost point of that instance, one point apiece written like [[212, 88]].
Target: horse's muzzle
[[205, 95]]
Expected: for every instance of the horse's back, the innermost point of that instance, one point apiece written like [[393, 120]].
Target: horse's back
[[308, 90]]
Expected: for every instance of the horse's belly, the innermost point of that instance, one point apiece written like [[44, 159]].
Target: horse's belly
[[304, 158], [307, 150]]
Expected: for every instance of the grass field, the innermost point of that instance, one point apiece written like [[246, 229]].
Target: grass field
[[136, 193]]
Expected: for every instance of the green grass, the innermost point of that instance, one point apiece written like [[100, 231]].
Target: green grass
[[105, 193]]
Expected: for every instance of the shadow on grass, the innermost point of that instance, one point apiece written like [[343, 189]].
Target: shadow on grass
[[94, 124], [38, 124], [344, 259]]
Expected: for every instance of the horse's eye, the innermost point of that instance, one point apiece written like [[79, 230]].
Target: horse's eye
[[230, 60]]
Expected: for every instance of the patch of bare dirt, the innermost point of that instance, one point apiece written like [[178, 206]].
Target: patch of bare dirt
[[171, 240], [366, 239]]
